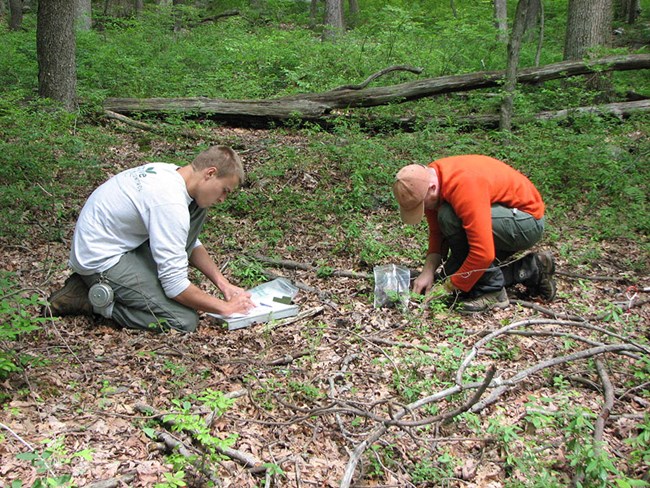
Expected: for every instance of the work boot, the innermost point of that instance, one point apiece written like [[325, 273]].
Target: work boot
[[546, 286], [72, 299], [485, 302]]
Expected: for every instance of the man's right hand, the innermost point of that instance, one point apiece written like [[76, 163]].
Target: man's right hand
[[240, 303], [423, 283]]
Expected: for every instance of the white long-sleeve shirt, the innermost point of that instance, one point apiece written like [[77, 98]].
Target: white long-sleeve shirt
[[146, 202]]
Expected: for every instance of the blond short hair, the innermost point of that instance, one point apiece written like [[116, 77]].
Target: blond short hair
[[224, 158]]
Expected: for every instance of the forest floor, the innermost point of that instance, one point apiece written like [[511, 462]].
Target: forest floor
[[308, 393]]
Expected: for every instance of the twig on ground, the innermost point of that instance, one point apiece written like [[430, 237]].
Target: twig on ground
[[113, 482], [608, 392], [546, 311], [590, 278], [312, 312]]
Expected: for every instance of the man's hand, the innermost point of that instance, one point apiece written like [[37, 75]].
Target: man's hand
[[230, 291], [240, 303], [423, 283]]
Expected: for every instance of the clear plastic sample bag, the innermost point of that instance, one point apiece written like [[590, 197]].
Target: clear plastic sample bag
[[392, 285]]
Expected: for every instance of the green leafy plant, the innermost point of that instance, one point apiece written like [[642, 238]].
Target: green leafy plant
[[16, 320], [48, 461], [183, 419]]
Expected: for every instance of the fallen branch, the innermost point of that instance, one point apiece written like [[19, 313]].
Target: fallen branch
[[376, 75], [312, 312], [246, 460], [113, 482], [504, 385], [156, 129], [608, 392], [578, 276], [474, 351], [173, 444], [599, 426], [545, 310], [383, 428]]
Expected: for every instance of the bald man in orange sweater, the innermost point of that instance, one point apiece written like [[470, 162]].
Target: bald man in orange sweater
[[480, 212]]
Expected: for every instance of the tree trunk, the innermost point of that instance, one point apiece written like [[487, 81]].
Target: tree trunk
[[452, 4], [139, 7], [532, 18], [540, 39], [312, 106], [16, 14], [514, 47], [313, 13], [55, 50], [628, 10], [83, 15], [501, 19], [589, 24], [333, 19], [353, 11]]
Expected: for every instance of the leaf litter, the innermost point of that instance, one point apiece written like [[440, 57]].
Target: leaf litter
[[290, 382]]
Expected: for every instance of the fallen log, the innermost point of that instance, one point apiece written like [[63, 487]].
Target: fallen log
[[312, 106]]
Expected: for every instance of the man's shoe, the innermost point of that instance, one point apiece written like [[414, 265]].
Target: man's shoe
[[485, 302], [72, 299], [546, 286]]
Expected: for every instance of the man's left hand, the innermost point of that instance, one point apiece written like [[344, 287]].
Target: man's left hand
[[230, 291]]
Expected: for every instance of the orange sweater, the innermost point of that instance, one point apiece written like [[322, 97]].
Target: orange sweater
[[471, 184]]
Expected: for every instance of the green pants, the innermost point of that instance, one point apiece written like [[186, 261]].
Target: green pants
[[513, 231], [140, 301]]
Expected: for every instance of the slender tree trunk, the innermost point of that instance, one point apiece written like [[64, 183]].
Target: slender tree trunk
[[501, 19], [16, 14], [532, 19], [628, 10], [354, 7], [353, 11], [589, 24], [540, 39], [514, 47], [56, 50], [313, 13], [138, 6], [83, 15], [333, 19]]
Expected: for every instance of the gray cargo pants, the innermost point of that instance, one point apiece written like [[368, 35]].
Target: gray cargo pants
[[513, 231], [140, 301]]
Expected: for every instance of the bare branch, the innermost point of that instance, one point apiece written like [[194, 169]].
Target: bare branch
[[376, 75]]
